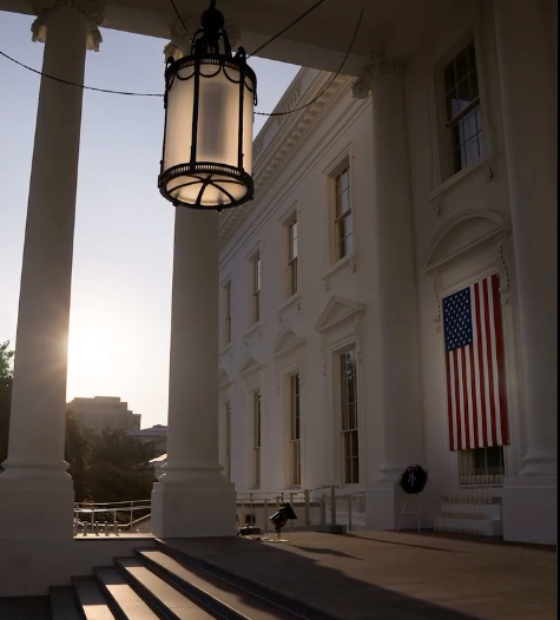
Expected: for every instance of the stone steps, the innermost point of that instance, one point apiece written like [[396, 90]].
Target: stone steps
[[464, 516], [167, 584]]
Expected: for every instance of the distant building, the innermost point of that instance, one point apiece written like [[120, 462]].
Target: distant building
[[101, 412], [156, 434]]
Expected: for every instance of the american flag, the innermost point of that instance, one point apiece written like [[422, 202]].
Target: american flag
[[476, 402]]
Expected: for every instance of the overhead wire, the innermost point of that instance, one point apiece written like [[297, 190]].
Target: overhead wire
[[260, 48]]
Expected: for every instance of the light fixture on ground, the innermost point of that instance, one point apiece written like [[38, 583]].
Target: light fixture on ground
[[208, 135], [280, 519]]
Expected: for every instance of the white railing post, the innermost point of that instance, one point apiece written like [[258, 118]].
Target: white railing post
[[349, 512], [242, 523], [323, 505], [91, 520], [307, 518], [333, 504], [251, 510], [265, 515]]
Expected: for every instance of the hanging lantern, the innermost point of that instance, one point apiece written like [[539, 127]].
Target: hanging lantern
[[208, 135]]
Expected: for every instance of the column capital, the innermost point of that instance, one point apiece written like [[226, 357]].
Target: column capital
[[379, 65], [92, 10]]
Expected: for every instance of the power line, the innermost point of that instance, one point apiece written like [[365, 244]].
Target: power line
[[62, 81], [137, 94], [329, 84]]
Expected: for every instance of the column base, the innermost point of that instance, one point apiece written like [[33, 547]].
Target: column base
[[193, 509], [384, 502], [529, 509], [36, 510]]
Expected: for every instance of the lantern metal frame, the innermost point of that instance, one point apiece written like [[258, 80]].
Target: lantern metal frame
[[207, 59]]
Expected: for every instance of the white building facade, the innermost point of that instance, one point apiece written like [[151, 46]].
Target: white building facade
[[440, 174], [333, 285]]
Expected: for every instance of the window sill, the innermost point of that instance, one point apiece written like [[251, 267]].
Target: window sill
[[294, 300], [483, 166], [254, 328], [348, 261]]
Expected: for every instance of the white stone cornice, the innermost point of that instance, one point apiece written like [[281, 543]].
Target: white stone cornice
[[272, 157]]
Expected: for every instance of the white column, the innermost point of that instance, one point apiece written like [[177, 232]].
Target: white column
[[393, 238], [35, 484], [528, 77], [192, 498]]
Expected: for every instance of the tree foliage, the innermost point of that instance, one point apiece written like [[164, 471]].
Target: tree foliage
[[110, 466]]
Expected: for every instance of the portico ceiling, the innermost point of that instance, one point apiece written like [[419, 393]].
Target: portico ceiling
[[395, 27]]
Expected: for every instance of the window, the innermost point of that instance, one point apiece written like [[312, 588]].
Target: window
[[295, 432], [257, 440], [343, 214], [227, 455], [463, 108], [256, 287], [473, 464], [227, 325], [349, 405], [293, 257]]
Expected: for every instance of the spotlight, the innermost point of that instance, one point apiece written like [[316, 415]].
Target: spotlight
[[280, 519]]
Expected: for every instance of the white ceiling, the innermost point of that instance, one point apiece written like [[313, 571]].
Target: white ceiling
[[396, 27]]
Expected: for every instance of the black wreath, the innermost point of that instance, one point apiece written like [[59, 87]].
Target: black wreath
[[413, 479]]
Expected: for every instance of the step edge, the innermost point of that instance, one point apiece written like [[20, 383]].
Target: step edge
[[278, 598]]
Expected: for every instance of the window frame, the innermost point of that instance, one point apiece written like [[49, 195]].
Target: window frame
[[343, 247], [345, 428], [444, 165], [257, 439], [293, 275], [295, 429], [256, 287]]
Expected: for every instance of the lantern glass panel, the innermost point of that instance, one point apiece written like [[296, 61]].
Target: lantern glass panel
[[217, 133]]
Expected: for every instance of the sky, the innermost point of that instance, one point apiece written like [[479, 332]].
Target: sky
[[121, 285]]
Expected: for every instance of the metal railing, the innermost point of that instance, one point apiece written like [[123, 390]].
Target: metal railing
[[321, 506], [109, 517]]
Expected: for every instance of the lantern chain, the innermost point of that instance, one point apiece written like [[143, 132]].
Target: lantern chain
[[137, 94]]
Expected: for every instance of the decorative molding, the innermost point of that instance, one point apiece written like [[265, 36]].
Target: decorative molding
[[487, 170], [358, 335], [503, 272], [223, 378], [249, 366], [437, 297], [323, 356], [349, 261], [487, 226], [338, 310], [437, 206], [300, 364], [270, 152], [484, 166], [94, 10], [379, 65], [286, 341]]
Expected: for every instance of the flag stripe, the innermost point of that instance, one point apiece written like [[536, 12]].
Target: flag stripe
[[474, 367]]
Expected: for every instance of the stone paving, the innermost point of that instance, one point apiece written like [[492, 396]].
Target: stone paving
[[394, 576]]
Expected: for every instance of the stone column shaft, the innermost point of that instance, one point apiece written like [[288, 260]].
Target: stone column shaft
[[192, 498], [529, 103]]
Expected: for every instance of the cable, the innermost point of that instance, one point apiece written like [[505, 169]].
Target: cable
[[181, 20], [62, 81], [136, 94], [279, 34], [329, 84]]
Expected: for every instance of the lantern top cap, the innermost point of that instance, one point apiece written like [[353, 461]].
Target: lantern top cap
[[212, 21]]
